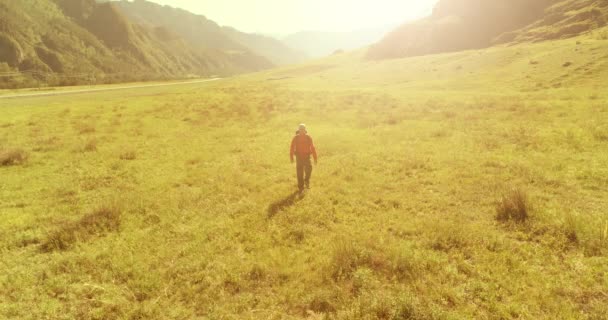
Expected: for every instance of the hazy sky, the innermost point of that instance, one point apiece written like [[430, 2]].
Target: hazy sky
[[288, 16]]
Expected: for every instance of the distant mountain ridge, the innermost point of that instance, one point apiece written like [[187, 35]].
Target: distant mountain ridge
[[319, 43], [458, 25], [269, 47], [205, 33], [472, 24]]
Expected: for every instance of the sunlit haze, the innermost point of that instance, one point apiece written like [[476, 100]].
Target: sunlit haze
[[288, 16]]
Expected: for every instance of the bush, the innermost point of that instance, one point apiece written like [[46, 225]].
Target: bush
[[11, 157], [514, 206]]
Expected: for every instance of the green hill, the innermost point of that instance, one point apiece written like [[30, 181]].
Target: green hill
[[469, 24], [67, 41]]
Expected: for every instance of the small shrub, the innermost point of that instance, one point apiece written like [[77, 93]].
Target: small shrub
[[96, 223], [12, 157], [567, 64], [514, 206]]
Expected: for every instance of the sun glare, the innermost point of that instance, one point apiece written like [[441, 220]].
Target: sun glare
[[279, 16]]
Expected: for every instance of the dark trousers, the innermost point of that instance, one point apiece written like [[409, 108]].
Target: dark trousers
[[303, 170]]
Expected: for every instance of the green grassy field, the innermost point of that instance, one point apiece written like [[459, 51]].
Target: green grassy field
[[178, 202]]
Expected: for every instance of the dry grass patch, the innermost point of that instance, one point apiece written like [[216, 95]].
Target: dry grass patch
[[600, 133], [90, 146], [384, 261], [589, 234], [346, 258], [12, 157], [97, 223], [86, 129], [128, 155]]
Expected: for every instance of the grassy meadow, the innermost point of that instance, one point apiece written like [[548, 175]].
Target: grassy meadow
[[455, 186]]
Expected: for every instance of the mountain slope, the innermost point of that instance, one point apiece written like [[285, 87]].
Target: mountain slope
[[204, 33], [563, 20], [458, 25], [68, 42]]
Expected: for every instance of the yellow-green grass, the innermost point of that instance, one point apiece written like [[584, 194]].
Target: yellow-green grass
[[65, 89], [177, 202]]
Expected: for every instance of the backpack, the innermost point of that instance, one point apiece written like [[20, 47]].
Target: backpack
[[309, 139]]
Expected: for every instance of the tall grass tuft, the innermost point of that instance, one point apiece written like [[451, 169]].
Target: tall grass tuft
[[572, 227], [514, 206], [345, 260]]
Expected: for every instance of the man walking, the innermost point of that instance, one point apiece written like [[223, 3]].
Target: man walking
[[302, 147]]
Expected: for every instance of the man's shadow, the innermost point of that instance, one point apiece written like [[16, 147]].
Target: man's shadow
[[285, 203]]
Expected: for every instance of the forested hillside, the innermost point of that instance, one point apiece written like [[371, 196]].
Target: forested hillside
[[60, 42]]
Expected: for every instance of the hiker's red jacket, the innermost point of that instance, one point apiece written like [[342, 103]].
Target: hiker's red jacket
[[302, 146]]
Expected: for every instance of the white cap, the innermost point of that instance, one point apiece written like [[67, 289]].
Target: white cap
[[302, 127]]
